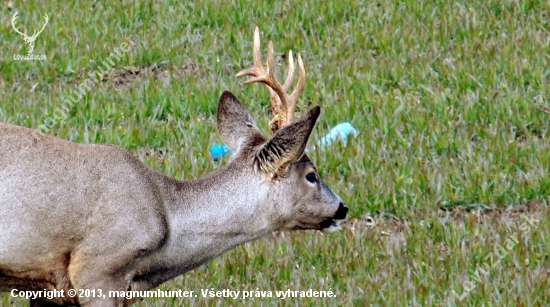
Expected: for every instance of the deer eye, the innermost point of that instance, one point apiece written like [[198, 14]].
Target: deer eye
[[311, 177]]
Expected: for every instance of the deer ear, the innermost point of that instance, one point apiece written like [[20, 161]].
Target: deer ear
[[235, 124], [287, 145]]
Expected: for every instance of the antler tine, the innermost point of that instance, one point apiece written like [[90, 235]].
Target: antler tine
[[35, 33], [298, 89], [256, 49], [13, 19], [257, 69], [282, 104], [290, 74]]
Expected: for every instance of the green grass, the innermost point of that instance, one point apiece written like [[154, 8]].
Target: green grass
[[445, 96]]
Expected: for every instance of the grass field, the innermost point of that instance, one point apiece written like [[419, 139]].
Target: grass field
[[449, 174]]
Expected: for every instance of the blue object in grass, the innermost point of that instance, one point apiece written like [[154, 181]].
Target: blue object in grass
[[219, 151], [340, 131]]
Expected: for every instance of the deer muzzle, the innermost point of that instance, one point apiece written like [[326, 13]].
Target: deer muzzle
[[341, 212]]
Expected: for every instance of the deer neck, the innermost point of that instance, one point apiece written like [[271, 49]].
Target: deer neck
[[226, 203], [211, 215]]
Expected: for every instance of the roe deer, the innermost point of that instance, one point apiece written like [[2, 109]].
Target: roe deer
[[85, 216]]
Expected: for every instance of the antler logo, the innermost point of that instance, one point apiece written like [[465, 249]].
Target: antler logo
[[29, 40]]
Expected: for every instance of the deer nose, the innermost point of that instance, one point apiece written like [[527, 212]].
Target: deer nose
[[341, 212]]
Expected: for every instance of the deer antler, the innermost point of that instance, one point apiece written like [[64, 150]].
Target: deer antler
[[15, 16], [282, 104], [44, 26]]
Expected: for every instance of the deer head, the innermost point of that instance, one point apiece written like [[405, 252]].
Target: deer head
[[281, 158], [29, 40]]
